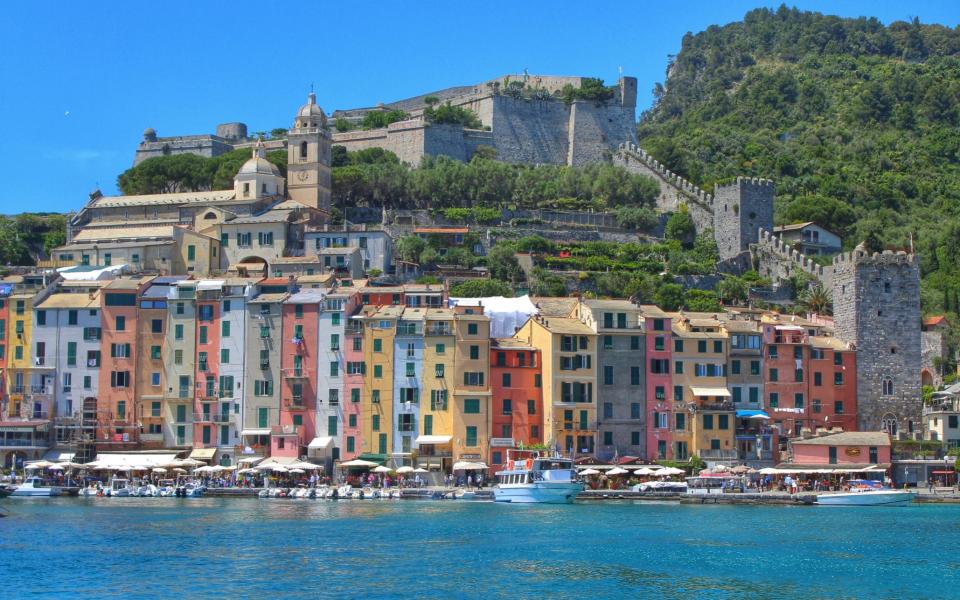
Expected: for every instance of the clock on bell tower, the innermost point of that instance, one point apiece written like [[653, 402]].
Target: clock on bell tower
[[308, 157]]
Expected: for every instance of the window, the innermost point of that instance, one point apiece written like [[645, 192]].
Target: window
[[659, 366], [225, 329], [378, 345], [887, 387], [634, 342], [203, 334], [120, 350], [178, 357], [718, 346], [410, 369], [837, 358], [723, 421], [438, 400], [332, 425], [41, 317], [120, 323], [701, 346], [608, 320], [226, 386], [262, 387], [506, 380], [377, 371], [334, 368], [537, 380], [531, 407], [737, 394], [178, 332], [607, 375], [122, 409], [680, 421], [67, 382], [774, 399], [471, 406], [155, 379], [471, 436], [678, 393], [754, 367], [428, 425], [72, 354], [608, 342], [774, 375], [474, 352], [438, 370], [678, 366], [708, 421], [634, 375], [154, 352], [473, 378], [507, 406], [658, 324], [265, 238], [838, 379], [607, 438], [441, 348], [120, 379], [375, 396], [471, 329]]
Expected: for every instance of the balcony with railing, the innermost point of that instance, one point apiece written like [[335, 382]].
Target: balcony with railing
[[438, 330], [718, 454], [714, 406], [294, 403], [296, 373], [579, 425], [406, 427]]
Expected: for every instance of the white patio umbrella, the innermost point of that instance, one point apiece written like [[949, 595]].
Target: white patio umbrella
[[644, 471], [190, 462], [768, 471], [405, 469], [671, 471], [55, 468], [358, 463], [296, 471], [278, 469], [382, 469], [420, 470], [179, 470], [125, 469], [246, 471], [159, 470], [589, 472], [617, 471], [40, 464]]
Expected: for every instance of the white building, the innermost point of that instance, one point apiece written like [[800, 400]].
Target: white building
[[407, 380], [375, 245]]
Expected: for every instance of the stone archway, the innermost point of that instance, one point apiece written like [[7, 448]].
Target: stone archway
[[926, 377], [253, 265]]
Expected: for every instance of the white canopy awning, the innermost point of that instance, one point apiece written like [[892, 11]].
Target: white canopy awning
[[711, 391], [122, 459], [358, 463], [203, 453], [210, 284], [434, 439], [261, 431], [463, 465], [321, 442]]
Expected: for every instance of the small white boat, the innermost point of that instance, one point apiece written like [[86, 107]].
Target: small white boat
[[864, 492], [119, 488], [192, 490], [536, 479], [148, 491], [33, 487]]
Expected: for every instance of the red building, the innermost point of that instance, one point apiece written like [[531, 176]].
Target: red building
[[833, 384], [517, 408], [117, 427], [298, 364], [658, 327], [786, 374]]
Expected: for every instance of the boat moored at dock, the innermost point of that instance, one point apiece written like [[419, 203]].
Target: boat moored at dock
[[535, 479], [866, 493]]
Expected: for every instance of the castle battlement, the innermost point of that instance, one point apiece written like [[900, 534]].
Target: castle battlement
[[887, 257], [745, 181], [697, 193], [788, 254]]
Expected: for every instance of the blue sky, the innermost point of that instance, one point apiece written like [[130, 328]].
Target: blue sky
[[80, 81]]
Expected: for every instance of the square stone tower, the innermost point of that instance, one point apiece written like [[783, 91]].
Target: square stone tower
[[876, 306], [740, 210], [308, 157]]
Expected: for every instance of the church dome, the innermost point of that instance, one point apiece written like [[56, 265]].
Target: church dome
[[258, 163], [259, 166], [310, 114]]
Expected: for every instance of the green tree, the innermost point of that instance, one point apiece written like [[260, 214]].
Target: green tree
[[680, 227], [502, 264], [408, 248], [669, 296], [481, 288], [701, 301]]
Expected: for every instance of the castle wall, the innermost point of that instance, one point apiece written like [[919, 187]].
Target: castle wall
[[201, 145], [933, 345], [530, 131], [779, 261], [405, 139], [595, 130], [876, 305]]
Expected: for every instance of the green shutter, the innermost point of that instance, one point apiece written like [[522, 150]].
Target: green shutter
[[428, 425]]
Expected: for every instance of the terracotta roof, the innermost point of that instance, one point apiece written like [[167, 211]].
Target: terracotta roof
[[554, 307], [565, 325], [177, 198], [120, 233], [792, 226], [71, 300], [441, 230], [931, 321]]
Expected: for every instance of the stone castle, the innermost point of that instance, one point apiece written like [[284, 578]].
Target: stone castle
[[535, 128], [876, 297]]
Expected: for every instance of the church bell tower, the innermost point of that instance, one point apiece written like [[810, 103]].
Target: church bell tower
[[308, 157]]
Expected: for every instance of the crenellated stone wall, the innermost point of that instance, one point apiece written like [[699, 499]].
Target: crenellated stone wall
[[779, 261]]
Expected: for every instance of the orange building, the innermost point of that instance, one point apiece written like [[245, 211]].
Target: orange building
[[517, 411]]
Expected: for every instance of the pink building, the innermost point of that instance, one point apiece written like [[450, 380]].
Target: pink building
[[208, 416], [298, 363], [658, 327], [850, 448]]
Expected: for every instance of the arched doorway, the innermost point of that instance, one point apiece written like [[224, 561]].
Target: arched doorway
[[253, 265], [926, 377]]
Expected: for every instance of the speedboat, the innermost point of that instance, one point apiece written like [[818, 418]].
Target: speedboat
[[864, 492], [148, 490], [536, 479], [119, 488], [34, 487]]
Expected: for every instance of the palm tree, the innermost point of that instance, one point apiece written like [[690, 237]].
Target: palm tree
[[817, 299]]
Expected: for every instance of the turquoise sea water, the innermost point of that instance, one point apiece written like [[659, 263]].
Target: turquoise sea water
[[230, 548]]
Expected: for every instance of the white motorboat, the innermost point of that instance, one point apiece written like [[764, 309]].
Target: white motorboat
[[864, 492], [33, 487], [119, 488], [536, 479], [147, 491]]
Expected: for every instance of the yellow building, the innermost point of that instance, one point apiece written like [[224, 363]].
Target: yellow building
[[568, 349], [471, 392], [30, 369], [378, 346], [434, 442], [700, 347]]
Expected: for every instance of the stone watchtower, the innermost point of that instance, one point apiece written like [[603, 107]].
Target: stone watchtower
[[308, 157], [740, 210], [876, 305]]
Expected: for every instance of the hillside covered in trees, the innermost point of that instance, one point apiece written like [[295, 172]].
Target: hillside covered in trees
[[856, 121]]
